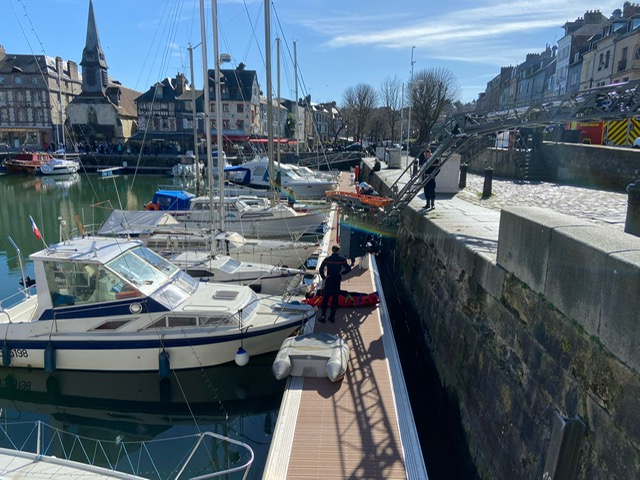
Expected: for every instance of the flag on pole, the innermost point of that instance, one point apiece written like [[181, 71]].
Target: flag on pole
[[36, 231]]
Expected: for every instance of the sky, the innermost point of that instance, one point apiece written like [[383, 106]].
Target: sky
[[339, 44]]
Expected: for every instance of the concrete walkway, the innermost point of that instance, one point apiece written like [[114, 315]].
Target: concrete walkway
[[478, 219]]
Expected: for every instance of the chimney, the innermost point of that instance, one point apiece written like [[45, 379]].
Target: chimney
[[593, 17], [59, 66], [181, 83], [2, 52], [73, 70], [630, 9]]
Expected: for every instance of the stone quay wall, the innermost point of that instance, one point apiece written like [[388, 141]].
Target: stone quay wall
[[570, 163], [547, 327]]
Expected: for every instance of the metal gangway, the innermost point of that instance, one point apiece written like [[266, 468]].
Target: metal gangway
[[611, 102]]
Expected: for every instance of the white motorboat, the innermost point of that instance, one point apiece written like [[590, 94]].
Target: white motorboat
[[250, 217], [187, 168], [103, 304], [59, 166], [255, 174], [160, 231], [262, 278]]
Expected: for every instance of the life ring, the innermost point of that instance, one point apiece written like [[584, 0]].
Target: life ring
[[152, 206]]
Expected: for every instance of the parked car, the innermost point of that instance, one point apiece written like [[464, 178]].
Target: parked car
[[354, 147], [636, 143]]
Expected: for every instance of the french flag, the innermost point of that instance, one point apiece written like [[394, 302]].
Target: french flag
[[36, 231]]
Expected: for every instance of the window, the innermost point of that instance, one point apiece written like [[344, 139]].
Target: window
[[225, 125], [75, 283], [17, 80], [34, 80], [1, 80], [225, 107], [240, 108], [92, 117], [240, 124]]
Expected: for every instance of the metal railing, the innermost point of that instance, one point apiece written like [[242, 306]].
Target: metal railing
[[168, 458]]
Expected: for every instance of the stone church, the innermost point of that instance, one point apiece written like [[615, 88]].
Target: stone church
[[105, 111]]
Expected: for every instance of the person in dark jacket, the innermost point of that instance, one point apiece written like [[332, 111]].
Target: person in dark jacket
[[331, 270], [430, 186]]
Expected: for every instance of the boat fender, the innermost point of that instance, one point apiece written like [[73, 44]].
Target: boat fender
[[6, 355], [152, 206], [281, 367], [164, 366], [337, 364], [49, 359]]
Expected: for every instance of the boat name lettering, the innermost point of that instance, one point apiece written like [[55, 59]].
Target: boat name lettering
[[21, 385], [19, 352]]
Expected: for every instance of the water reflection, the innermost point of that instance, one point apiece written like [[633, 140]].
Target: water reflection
[[85, 200], [238, 402]]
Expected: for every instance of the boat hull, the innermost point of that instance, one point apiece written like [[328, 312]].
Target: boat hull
[[29, 347], [274, 227]]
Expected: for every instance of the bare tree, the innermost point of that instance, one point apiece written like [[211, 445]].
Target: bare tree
[[431, 91], [377, 126], [391, 99], [359, 103]]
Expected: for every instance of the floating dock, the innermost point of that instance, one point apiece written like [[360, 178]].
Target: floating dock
[[361, 427]]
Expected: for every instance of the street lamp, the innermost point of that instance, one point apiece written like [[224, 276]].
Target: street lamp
[[410, 102]]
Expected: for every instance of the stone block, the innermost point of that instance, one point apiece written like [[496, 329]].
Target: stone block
[[578, 266], [523, 242], [488, 274], [620, 314]]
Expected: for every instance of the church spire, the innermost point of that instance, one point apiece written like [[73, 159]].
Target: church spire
[[94, 66]]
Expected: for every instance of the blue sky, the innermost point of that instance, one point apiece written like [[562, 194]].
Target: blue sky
[[339, 43]]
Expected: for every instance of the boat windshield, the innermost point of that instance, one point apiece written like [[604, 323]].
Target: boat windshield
[[144, 269], [230, 266]]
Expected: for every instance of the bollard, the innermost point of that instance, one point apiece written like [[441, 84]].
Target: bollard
[[415, 167], [488, 177], [463, 175], [632, 222]]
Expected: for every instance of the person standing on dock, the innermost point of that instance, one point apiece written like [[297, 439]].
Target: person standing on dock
[[331, 270]]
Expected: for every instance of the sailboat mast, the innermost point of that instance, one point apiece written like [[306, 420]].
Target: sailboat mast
[[59, 109], [194, 121], [216, 54], [267, 39], [207, 121], [278, 84], [295, 69]]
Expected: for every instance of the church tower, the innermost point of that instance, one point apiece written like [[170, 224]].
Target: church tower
[[94, 66]]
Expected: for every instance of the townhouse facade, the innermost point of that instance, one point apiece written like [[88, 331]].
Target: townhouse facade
[[35, 91]]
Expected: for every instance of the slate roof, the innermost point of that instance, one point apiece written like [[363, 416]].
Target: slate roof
[[31, 65], [239, 83], [168, 93]]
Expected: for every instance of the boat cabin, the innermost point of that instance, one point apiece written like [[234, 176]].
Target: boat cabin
[[171, 200], [105, 271]]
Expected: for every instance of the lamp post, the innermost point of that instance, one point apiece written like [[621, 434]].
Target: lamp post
[[410, 102]]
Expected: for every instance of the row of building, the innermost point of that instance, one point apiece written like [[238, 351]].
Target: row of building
[[45, 101], [595, 51]]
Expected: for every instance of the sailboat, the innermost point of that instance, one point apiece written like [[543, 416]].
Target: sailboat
[[60, 163]]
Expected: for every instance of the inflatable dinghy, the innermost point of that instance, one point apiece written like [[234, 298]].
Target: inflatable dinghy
[[312, 355]]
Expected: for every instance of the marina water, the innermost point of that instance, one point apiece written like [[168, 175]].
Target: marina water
[[240, 403]]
